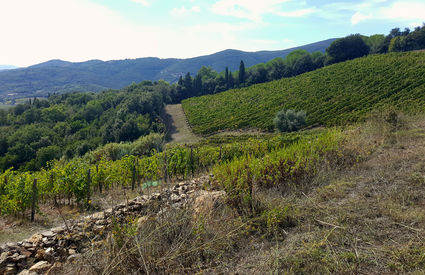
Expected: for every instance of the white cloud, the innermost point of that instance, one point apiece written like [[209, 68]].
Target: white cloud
[[297, 13], [250, 9], [143, 2], [196, 9], [397, 11], [358, 17], [78, 30], [179, 12], [74, 30]]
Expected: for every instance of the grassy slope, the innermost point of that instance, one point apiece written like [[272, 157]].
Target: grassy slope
[[334, 95], [180, 131]]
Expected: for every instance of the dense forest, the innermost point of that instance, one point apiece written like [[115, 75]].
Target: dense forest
[[72, 124]]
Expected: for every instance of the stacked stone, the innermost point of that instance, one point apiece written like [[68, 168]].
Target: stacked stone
[[43, 252]]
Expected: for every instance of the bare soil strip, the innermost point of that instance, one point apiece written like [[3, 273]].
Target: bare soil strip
[[178, 127]]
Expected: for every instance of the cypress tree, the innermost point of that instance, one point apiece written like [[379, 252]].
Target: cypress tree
[[241, 73], [180, 81], [226, 77], [231, 82]]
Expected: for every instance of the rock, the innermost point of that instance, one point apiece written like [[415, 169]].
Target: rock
[[48, 234], [24, 252], [40, 254], [3, 259], [55, 269], [207, 201], [72, 258], [27, 245], [27, 272], [98, 229], [141, 221], [36, 238], [98, 216], [40, 267], [72, 252], [58, 230], [175, 198], [10, 269], [20, 258], [101, 222]]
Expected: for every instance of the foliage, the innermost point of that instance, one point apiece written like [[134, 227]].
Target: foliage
[[334, 95], [349, 47], [289, 120], [35, 132], [70, 179]]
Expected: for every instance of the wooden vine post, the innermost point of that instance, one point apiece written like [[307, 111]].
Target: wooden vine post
[[166, 170], [99, 179], [88, 187], [133, 176], [34, 199], [191, 160]]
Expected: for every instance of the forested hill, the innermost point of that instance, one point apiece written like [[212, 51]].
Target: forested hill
[[95, 75], [333, 95]]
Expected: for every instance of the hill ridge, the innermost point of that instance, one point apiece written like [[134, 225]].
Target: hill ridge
[[97, 75]]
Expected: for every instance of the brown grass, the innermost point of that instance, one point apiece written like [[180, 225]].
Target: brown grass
[[364, 217]]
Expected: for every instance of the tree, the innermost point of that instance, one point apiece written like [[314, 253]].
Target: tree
[[241, 73], [197, 85], [231, 82], [289, 120], [346, 48], [276, 68], [226, 77], [375, 42]]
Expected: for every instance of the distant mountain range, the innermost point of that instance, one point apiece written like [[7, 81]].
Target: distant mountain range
[[96, 75]]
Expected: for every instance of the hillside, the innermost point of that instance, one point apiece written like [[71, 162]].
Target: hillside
[[96, 75], [334, 95]]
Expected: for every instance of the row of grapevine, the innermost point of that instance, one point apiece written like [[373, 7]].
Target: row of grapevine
[[75, 180], [283, 168], [334, 95]]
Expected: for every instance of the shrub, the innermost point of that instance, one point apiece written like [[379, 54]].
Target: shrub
[[289, 120]]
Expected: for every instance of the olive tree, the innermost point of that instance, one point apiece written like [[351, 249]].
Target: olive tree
[[289, 120]]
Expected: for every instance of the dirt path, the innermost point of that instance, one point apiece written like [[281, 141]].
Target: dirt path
[[179, 129]]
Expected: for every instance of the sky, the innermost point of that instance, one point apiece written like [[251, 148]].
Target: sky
[[34, 31]]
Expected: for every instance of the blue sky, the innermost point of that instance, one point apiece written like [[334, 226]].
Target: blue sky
[[79, 30]]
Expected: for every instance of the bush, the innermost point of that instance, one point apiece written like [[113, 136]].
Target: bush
[[289, 120]]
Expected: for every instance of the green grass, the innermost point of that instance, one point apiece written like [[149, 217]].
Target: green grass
[[335, 95]]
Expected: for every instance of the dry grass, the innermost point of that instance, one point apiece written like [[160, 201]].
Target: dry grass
[[17, 228], [366, 216]]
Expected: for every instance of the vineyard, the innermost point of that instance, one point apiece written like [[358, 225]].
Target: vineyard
[[76, 180], [334, 95]]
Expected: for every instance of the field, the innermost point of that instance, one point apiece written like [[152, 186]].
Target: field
[[334, 95]]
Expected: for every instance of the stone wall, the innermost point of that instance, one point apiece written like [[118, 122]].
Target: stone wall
[[44, 252]]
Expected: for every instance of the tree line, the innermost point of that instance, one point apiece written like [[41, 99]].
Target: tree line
[[208, 81]]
